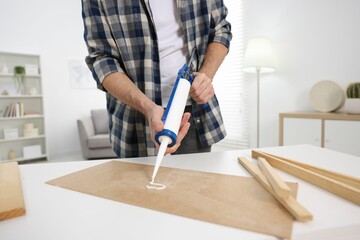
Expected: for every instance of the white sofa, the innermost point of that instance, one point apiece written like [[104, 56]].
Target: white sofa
[[94, 135]]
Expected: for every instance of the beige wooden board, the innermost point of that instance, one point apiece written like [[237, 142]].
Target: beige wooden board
[[11, 195], [233, 201]]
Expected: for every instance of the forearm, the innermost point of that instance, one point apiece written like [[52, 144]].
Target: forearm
[[121, 87], [214, 56], [202, 89]]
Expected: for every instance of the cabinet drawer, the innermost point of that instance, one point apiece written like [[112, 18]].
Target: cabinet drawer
[[343, 136], [302, 131]]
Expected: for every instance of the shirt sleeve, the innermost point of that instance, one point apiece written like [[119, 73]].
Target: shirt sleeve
[[103, 57], [220, 27]]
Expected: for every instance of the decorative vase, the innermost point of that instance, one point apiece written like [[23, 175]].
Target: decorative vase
[[351, 106], [11, 154], [4, 69], [19, 77], [327, 96]]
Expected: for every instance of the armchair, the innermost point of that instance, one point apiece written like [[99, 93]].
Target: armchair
[[94, 135]]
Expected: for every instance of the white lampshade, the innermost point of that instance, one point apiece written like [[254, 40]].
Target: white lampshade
[[259, 56]]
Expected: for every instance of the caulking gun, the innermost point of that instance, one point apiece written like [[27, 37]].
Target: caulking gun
[[173, 114]]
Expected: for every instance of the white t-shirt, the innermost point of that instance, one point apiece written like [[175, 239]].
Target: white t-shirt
[[172, 47]]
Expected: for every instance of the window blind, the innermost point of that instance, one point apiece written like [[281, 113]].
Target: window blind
[[230, 86]]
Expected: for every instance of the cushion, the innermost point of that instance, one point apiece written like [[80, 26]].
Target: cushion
[[100, 120], [99, 141]]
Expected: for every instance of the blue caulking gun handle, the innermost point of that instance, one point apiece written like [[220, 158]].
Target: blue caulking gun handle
[[186, 73]]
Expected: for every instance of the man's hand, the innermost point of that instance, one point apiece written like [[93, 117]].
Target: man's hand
[[184, 128], [201, 89], [154, 116]]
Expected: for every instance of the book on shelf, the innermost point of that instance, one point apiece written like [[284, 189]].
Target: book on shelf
[[14, 110]]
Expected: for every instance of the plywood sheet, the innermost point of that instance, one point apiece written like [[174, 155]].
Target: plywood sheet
[[233, 201], [11, 195]]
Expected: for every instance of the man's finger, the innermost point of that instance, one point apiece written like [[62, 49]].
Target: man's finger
[[184, 128]]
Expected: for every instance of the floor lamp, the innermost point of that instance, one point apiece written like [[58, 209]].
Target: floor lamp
[[258, 58]]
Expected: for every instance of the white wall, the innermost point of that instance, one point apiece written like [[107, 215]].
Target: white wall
[[313, 40], [52, 29]]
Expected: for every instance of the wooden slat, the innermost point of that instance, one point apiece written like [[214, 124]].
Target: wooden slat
[[279, 186], [327, 180], [294, 207], [349, 180], [11, 196]]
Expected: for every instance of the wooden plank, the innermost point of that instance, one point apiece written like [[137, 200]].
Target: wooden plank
[[233, 201], [298, 211], [321, 179], [279, 186], [11, 197]]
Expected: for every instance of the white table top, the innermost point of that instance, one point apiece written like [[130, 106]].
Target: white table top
[[57, 213]]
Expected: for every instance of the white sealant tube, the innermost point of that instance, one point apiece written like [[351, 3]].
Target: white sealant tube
[[177, 107], [173, 119]]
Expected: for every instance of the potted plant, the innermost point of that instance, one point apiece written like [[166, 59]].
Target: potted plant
[[19, 76], [352, 103]]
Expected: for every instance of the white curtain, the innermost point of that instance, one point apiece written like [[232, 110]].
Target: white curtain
[[230, 86]]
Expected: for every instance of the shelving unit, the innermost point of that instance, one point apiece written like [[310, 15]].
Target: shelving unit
[[28, 144]]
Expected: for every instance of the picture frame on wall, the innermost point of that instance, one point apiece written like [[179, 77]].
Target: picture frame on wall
[[11, 133], [31, 69], [80, 75]]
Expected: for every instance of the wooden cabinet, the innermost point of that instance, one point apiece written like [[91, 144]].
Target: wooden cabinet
[[336, 131], [22, 122]]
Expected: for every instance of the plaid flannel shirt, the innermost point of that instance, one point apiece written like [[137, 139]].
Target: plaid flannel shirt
[[121, 37]]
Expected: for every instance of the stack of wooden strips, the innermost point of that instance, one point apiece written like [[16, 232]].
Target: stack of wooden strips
[[345, 186], [342, 185]]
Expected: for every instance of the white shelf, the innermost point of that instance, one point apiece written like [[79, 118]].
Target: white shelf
[[21, 96], [21, 139], [43, 156], [12, 74], [20, 118], [21, 102]]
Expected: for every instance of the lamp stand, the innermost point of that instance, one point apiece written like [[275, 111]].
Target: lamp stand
[[258, 107]]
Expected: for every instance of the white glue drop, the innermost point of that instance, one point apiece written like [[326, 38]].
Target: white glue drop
[[156, 186]]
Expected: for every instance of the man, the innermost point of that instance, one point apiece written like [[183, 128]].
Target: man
[[136, 49]]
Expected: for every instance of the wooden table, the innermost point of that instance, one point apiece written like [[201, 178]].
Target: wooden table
[[56, 213]]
